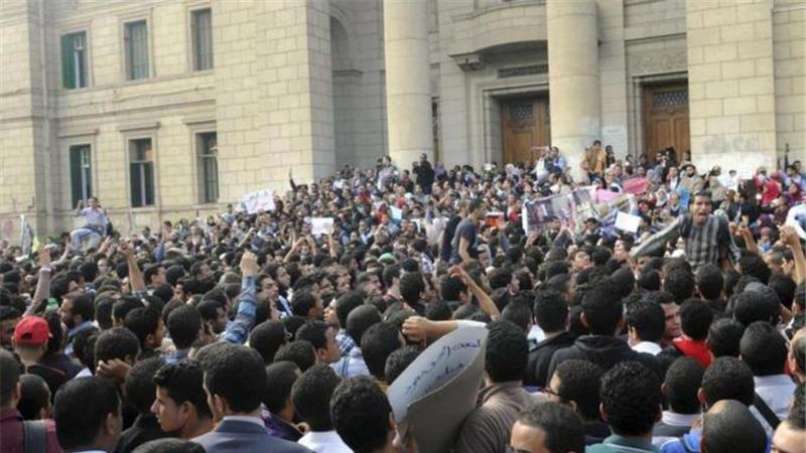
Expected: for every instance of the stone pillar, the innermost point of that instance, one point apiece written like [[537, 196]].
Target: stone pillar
[[573, 77], [408, 89]]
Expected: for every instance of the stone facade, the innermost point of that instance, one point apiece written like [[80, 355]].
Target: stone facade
[[302, 86]]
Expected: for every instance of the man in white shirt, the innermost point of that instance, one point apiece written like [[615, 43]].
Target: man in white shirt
[[311, 395], [94, 227], [646, 324]]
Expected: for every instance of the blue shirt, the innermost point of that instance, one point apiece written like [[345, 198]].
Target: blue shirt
[[238, 330]]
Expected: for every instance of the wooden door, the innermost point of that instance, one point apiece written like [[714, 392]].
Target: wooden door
[[525, 123], [665, 109]]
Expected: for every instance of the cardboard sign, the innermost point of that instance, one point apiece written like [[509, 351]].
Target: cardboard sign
[[627, 222], [321, 225], [254, 202], [433, 395], [606, 196]]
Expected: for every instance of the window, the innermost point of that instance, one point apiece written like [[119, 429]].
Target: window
[[202, 31], [74, 60], [141, 172], [80, 173], [208, 167], [135, 41]]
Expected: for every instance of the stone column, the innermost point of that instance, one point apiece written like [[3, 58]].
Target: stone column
[[408, 88], [574, 93]]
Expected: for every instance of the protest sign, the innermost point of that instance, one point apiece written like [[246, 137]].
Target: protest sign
[[606, 196], [797, 219], [395, 214], [321, 225], [636, 186], [432, 397], [627, 222], [254, 202]]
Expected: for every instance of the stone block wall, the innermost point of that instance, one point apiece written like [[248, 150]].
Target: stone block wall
[[731, 89], [789, 68]]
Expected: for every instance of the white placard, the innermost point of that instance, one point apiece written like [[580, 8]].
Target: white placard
[[254, 202], [797, 219], [627, 222], [321, 225]]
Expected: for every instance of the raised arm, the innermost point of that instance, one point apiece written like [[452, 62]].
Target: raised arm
[[790, 237], [486, 303], [238, 330], [40, 300], [136, 279], [658, 239]]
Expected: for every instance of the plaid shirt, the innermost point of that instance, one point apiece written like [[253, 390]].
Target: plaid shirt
[[345, 342], [709, 243]]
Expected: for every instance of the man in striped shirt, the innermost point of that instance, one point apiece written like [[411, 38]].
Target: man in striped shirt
[[707, 237]]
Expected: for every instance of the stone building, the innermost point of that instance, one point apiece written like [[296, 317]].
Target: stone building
[[173, 108]]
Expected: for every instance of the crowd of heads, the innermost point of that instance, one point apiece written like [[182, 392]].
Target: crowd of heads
[[155, 341]]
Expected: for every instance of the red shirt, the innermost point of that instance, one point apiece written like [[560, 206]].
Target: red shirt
[[11, 435], [697, 350]]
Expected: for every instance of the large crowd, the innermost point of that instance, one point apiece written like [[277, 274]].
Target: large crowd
[[267, 331]]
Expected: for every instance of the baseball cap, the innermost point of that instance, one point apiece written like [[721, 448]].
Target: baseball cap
[[32, 331]]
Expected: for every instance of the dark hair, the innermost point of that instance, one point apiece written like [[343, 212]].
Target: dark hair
[[143, 322], [266, 338], [728, 378], [184, 324], [695, 319], [411, 287], [797, 413], [438, 311], [732, 428], [84, 306], [311, 395], [631, 398], [682, 383], [183, 381], [360, 319], [798, 347], [34, 396], [116, 343], [208, 309], [398, 360], [709, 281], [507, 352], [169, 445], [302, 303], [602, 310], [377, 343], [785, 287], [724, 336], [293, 323], [123, 306], [360, 413], [763, 349], [648, 319], [518, 313], [680, 284], [9, 376], [551, 311], [563, 428], [236, 374], [649, 279], [752, 306], [579, 382], [281, 376], [451, 287], [81, 408], [754, 265], [345, 304], [313, 332], [300, 352], [140, 387]]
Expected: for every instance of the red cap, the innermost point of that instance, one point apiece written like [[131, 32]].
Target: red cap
[[32, 331]]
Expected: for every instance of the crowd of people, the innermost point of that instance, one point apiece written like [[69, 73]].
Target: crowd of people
[[247, 332]]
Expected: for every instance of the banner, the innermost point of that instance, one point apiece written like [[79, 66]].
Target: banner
[[635, 186], [254, 202]]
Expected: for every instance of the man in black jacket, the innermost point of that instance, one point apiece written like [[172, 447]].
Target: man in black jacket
[[602, 314], [551, 312]]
